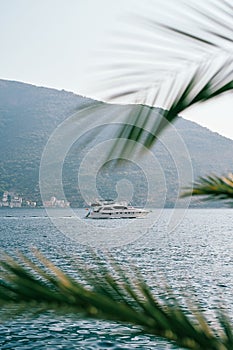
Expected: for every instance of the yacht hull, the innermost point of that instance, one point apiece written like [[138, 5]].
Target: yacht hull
[[112, 210], [122, 216]]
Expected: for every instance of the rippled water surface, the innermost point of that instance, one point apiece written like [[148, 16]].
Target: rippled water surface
[[196, 259]]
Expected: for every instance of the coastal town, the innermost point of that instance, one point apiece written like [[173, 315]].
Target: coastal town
[[12, 200]]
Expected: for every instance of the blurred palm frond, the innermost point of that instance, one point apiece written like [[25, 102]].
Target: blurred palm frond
[[175, 62], [108, 293], [212, 188], [184, 90]]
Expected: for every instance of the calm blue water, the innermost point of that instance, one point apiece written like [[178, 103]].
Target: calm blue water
[[196, 259]]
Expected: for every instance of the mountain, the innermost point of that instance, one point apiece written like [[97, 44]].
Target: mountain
[[29, 115]]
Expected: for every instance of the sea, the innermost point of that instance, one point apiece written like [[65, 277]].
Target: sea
[[193, 256]]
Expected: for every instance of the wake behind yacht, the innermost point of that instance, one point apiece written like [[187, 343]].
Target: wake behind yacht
[[109, 209]]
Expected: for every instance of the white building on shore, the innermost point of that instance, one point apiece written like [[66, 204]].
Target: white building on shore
[[5, 199], [11, 200], [56, 203], [16, 202]]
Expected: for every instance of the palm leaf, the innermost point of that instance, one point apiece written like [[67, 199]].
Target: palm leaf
[[205, 82], [110, 294], [190, 60], [212, 188]]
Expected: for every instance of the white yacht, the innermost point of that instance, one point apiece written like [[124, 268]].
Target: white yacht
[[109, 209]]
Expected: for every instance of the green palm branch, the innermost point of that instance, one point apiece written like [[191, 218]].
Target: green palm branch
[[141, 125], [189, 79], [212, 188], [107, 293]]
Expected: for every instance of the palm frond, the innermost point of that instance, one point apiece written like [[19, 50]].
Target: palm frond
[[213, 19], [109, 293], [172, 64], [203, 83], [212, 188], [166, 45]]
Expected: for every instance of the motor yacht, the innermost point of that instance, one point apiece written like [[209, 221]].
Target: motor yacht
[[109, 209]]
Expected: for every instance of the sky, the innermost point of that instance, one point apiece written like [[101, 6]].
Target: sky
[[75, 44]]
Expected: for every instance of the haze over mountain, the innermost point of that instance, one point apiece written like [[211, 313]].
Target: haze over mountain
[[28, 116]]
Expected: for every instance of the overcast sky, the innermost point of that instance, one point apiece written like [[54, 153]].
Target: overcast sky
[[65, 44]]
